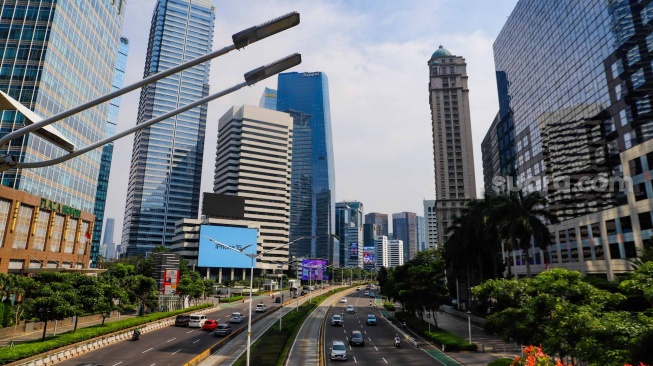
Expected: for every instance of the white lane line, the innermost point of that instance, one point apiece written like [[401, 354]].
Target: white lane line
[[344, 331], [116, 364], [365, 331], [376, 348], [384, 360], [196, 341], [350, 347], [173, 352], [355, 360], [147, 350], [190, 331], [170, 340], [153, 364], [369, 339]]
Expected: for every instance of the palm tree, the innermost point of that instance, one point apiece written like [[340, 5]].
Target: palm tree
[[523, 217]]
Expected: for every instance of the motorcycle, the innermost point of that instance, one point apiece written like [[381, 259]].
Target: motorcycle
[[397, 342], [136, 335]]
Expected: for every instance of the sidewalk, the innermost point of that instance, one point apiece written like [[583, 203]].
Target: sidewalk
[[494, 347]]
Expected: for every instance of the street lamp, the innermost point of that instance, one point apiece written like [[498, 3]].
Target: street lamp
[[469, 325], [251, 256], [41, 127]]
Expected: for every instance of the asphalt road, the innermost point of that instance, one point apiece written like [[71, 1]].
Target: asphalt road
[[379, 346], [171, 345]]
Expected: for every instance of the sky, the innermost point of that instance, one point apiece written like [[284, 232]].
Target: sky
[[375, 54]]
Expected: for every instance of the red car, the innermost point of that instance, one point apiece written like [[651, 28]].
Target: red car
[[210, 325]]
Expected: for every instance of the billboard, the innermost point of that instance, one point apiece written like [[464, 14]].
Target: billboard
[[215, 255], [369, 257], [315, 269], [353, 250], [170, 281], [222, 205]]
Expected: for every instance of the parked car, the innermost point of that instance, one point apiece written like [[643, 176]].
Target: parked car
[[261, 308], [182, 320], [371, 319], [337, 320], [350, 309], [356, 338], [236, 318], [222, 330], [210, 325], [338, 351], [196, 320]]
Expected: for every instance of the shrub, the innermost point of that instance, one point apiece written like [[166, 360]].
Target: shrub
[[34, 348], [388, 306], [501, 362], [450, 341], [231, 299]]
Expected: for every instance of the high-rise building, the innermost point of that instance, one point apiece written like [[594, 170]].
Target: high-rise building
[[389, 253], [107, 239], [48, 66], [349, 224], [404, 226], [370, 232], [253, 161], [107, 155], [452, 136], [312, 207], [166, 167], [269, 99], [421, 234], [378, 219], [430, 225], [490, 153], [577, 126]]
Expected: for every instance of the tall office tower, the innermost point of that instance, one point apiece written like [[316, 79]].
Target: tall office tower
[[47, 65], [430, 225], [370, 232], [269, 99], [378, 219], [452, 136], [582, 127], [349, 228], [404, 225], [312, 207], [253, 161], [166, 167], [389, 253], [491, 162], [107, 154], [109, 227], [421, 234]]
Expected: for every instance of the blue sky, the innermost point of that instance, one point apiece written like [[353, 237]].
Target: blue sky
[[375, 55]]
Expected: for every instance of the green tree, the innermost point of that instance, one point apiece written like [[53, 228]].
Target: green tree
[[144, 290], [209, 287], [113, 297], [382, 278], [50, 297], [641, 282]]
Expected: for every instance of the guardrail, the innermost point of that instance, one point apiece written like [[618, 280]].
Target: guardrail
[[320, 342]]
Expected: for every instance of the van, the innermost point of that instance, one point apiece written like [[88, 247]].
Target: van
[[182, 320], [196, 320], [338, 351]]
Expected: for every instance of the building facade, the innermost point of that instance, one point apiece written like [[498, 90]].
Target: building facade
[[490, 153], [268, 99], [107, 153], [252, 161], [349, 224], [421, 234], [379, 219], [37, 233], [430, 225], [582, 125], [47, 65], [166, 166], [453, 155], [107, 239], [404, 226], [389, 253]]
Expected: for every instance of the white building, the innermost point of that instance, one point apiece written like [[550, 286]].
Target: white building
[[431, 224], [389, 253]]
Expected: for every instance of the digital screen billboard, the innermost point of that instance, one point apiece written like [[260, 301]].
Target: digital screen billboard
[[215, 255], [315, 269], [353, 250], [170, 281], [369, 257]]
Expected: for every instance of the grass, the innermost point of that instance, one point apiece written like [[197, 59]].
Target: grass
[[438, 336], [501, 362], [33, 348]]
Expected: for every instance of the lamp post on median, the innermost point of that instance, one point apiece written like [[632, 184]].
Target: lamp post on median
[[469, 325]]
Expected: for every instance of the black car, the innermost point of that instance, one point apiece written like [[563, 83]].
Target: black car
[[356, 339], [277, 300], [182, 320], [222, 330]]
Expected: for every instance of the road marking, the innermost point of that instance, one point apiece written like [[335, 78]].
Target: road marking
[[190, 331], [172, 353], [344, 331], [376, 348], [171, 340], [384, 360], [117, 363], [196, 341], [355, 360], [365, 331], [369, 339], [149, 349], [153, 364]]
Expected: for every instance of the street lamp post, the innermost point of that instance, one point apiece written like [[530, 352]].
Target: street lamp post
[[469, 325]]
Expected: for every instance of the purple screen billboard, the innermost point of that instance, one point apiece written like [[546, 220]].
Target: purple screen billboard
[[314, 269], [353, 250], [369, 257]]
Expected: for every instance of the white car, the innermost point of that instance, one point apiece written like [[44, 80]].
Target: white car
[[236, 318], [343, 300], [260, 308], [350, 309], [196, 320], [367, 293]]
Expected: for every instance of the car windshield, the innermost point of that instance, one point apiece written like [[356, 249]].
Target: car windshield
[[336, 317], [338, 347], [222, 326], [357, 335], [371, 316]]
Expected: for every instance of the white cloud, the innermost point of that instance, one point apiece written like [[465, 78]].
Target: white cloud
[[378, 79]]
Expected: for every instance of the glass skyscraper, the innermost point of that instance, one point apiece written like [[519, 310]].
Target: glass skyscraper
[[107, 152], [166, 166], [312, 192], [269, 99], [404, 227], [575, 86], [55, 55]]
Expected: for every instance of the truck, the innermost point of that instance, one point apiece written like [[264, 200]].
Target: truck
[[293, 284]]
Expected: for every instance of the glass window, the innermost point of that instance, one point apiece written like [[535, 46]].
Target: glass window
[[611, 227], [4, 215], [645, 222], [23, 222], [639, 190], [626, 225], [41, 230], [614, 251], [636, 166], [598, 252], [57, 231], [630, 249], [633, 56], [637, 78], [16, 263]]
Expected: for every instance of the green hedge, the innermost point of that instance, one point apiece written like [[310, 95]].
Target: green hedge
[[439, 336], [34, 348], [501, 362], [388, 306], [231, 299]]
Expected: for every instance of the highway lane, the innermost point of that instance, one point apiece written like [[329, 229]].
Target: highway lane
[[379, 346], [171, 345]]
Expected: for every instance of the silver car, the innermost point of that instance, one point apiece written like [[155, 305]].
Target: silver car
[[338, 351]]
